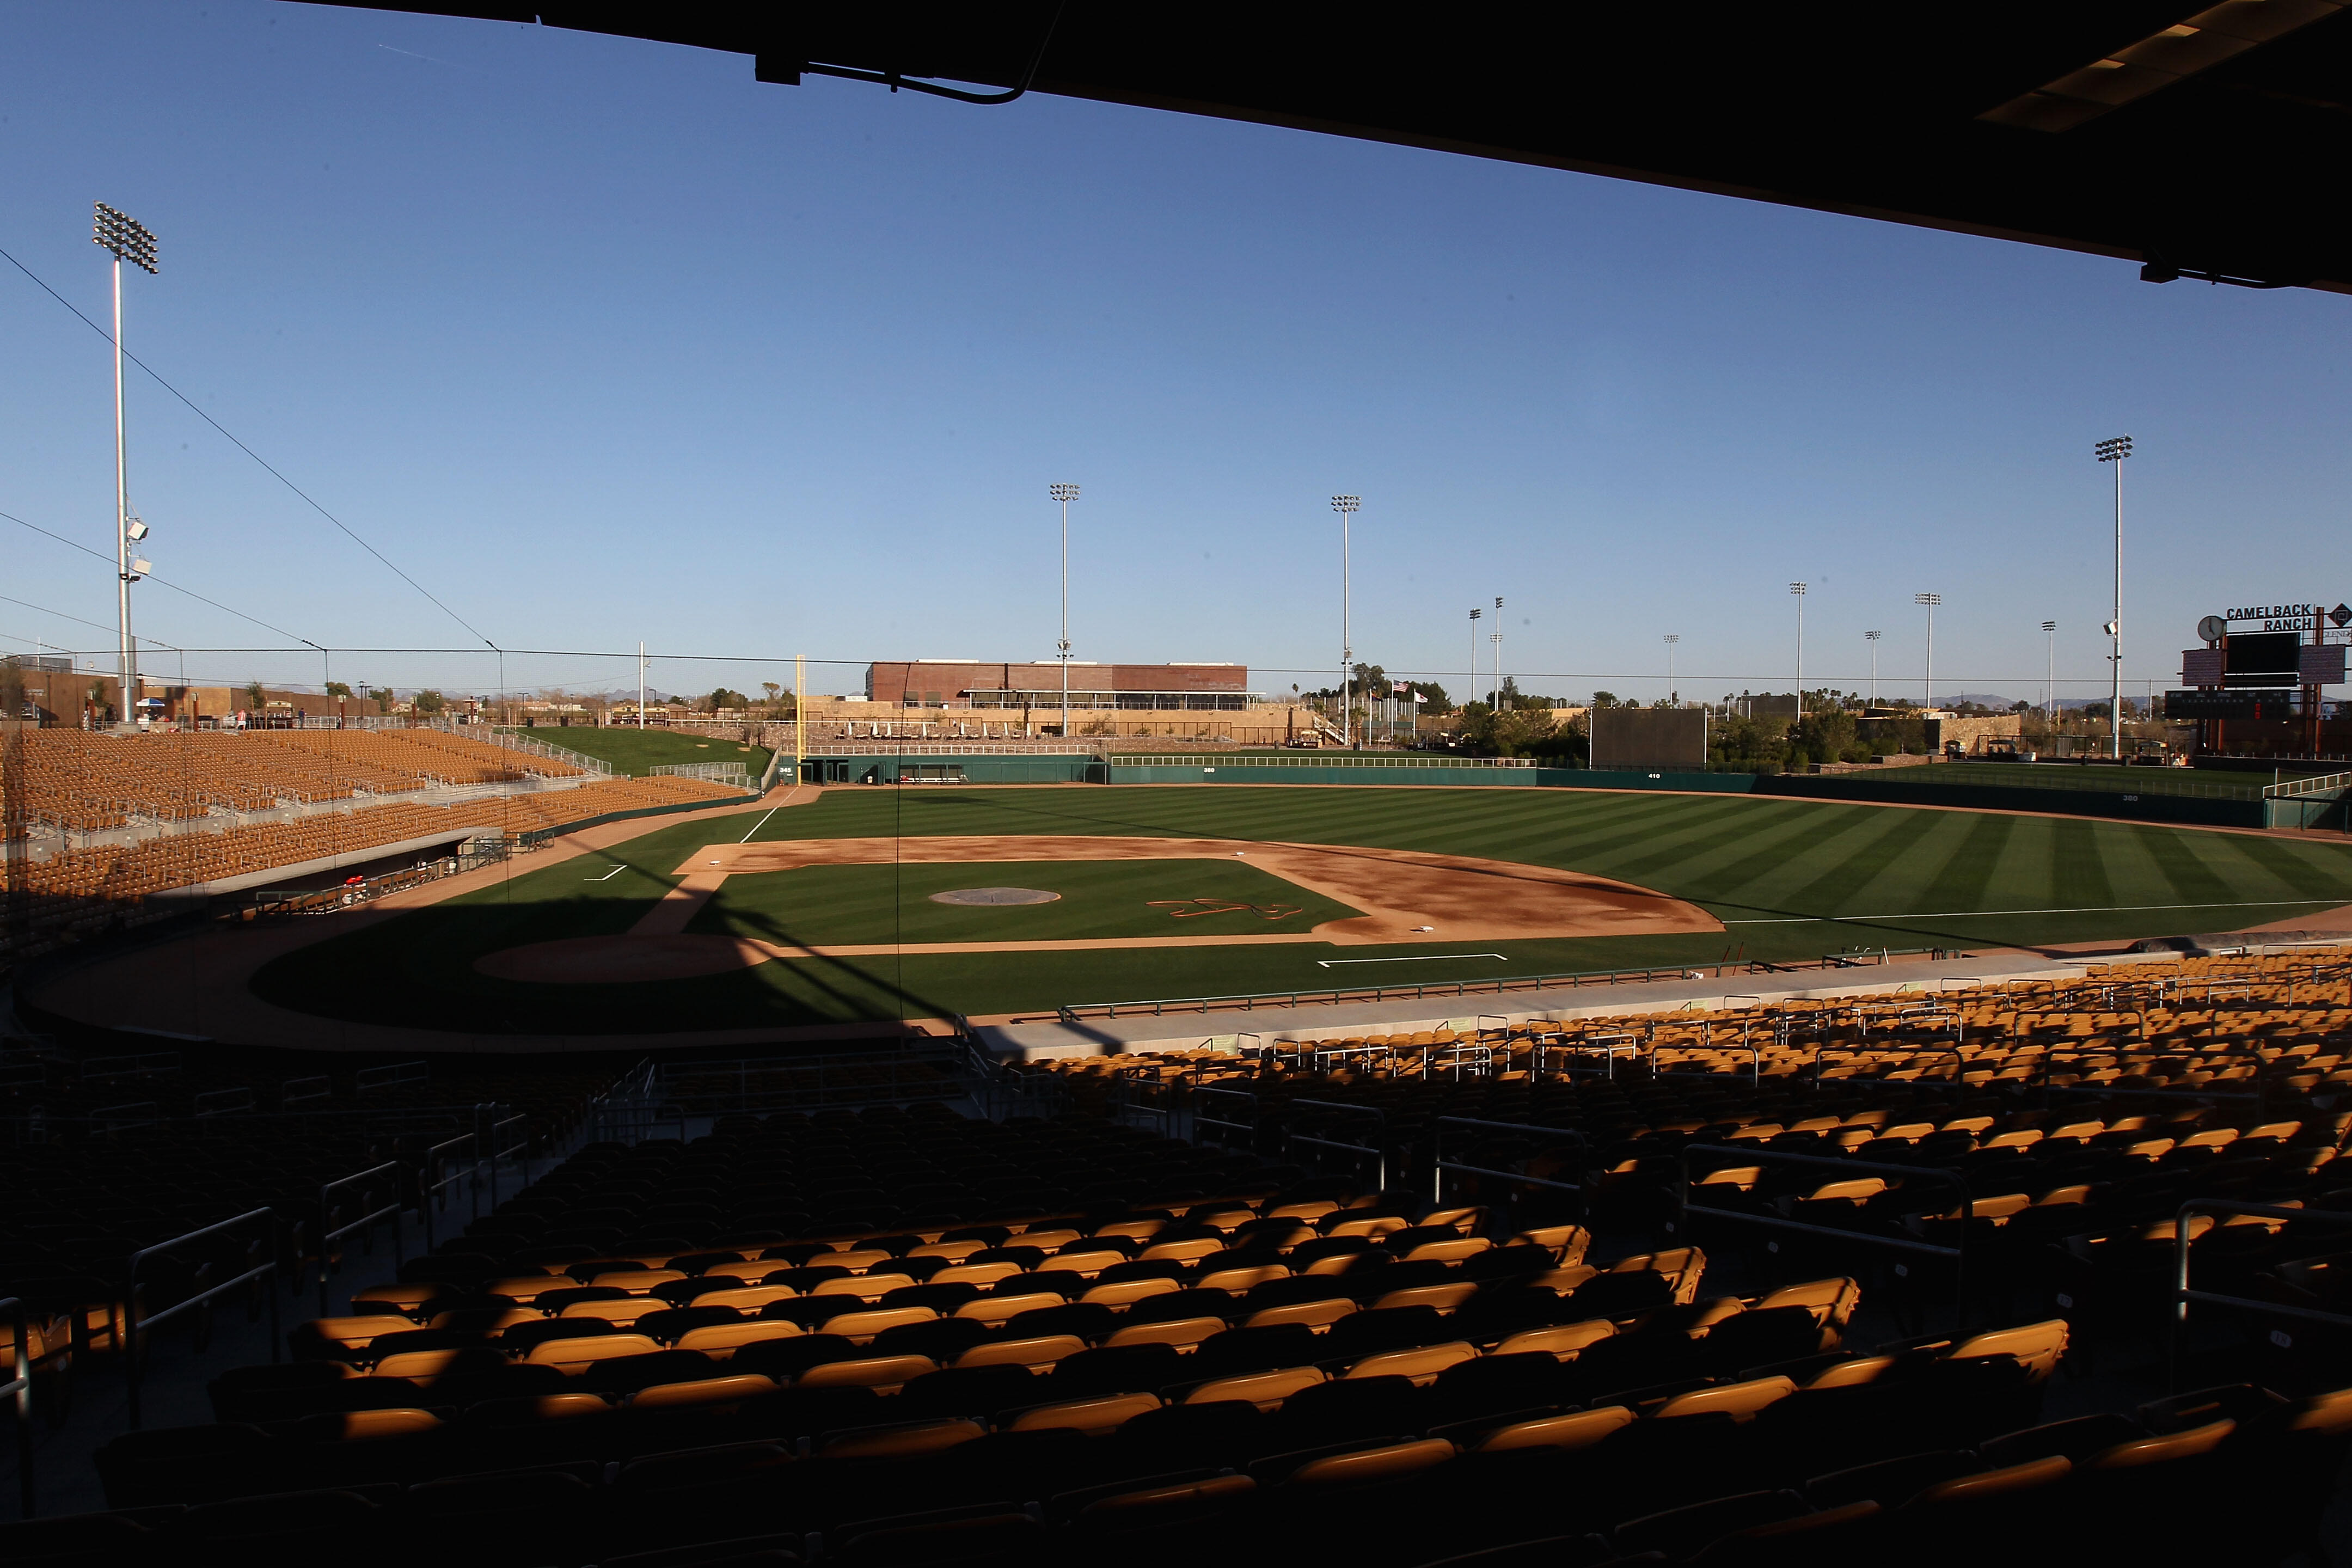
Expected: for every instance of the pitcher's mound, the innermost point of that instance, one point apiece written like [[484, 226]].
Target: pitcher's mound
[[620, 960], [985, 896]]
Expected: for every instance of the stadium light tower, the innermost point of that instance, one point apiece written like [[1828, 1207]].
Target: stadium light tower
[[1798, 590], [1496, 637], [1346, 507], [1931, 601], [2050, 692], [2115, 449], [1873, 637], [1065, 494], [126, 239], [1672, 638], [1467, 697]]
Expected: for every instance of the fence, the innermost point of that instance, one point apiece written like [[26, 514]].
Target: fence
[[736, 774], [1071, 1012]]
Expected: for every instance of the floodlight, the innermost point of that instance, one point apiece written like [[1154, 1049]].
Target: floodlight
[[137, 530]]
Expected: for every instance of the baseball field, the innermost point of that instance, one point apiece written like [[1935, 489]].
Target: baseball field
[[908, 902]]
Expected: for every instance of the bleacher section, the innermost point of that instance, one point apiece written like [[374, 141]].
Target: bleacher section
[[1625, 1295], [87, 780]]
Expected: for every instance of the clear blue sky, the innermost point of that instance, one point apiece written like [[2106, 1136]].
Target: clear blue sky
[[604, 341]]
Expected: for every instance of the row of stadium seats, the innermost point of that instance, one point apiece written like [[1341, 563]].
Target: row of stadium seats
[[128, 872], [88, 780], [1297, 1370]]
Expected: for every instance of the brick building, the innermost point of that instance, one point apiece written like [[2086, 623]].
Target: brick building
[[959, 683]]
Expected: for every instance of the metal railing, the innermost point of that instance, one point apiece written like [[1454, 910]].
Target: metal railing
[[2324, 783], [1380, 1130], [134, 1324], [736, 774], [367, 1221], [439, 1174], [19, 1387], [521, 1146], [1735, 1154], [1496, 985], [369, 1080], [1441, 1164], [2182, 1294], [1201, 1119], [529, 746]]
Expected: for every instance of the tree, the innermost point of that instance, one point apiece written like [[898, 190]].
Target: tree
[[1606, 699], [723, 698], [429, 702], [771, 688], [254, 694], [382, 698], [1432, 697], [337, 689]]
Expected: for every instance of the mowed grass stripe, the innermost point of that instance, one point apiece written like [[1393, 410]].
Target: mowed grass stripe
[[1974, 863], [2078, 873], [2176, 857], [1609, 843], [2313, 870], [1817, 884], [1663, 856], [1774, 873]]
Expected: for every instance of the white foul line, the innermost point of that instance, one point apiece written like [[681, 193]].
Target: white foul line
[[607, 875], [758, 825], [1418, 958], [1977, 914]]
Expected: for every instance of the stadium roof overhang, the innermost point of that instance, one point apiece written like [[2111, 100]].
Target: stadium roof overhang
[[2199, 141]]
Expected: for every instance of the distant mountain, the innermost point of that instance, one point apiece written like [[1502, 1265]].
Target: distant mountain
[[1989, 699]]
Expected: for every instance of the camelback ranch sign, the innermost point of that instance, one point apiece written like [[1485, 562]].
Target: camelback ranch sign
[[2286, 617]]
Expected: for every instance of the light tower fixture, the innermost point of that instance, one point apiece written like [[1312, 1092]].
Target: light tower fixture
[[1065, 494], [1930, 601], [1346, 507], [1672, 638], [2115, 449], [1872, 638], [1800, 589], [126, 239]]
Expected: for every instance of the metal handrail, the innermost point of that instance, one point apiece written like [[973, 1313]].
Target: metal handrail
[[1203, 1092], [327, 1238], [21, 1387], [522, 1145], [1441, 1164], [2182, 1295], [133, 1325], [432, 1185], [1379, 1155], [1684, 1208]]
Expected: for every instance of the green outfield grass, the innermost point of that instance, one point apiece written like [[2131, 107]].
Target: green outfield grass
[[1789, 878], [633, 751], [847, 905]]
